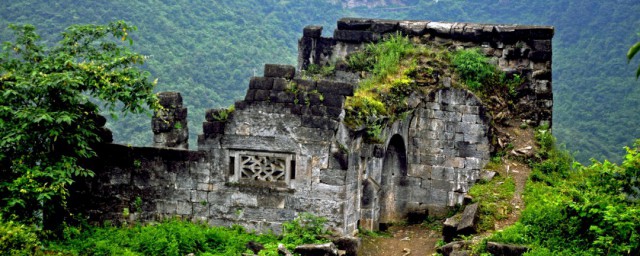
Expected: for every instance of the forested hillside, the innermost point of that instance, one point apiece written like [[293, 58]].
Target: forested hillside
[[208, 50]]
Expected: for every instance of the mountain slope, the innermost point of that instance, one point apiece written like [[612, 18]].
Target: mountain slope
[[208, 50]]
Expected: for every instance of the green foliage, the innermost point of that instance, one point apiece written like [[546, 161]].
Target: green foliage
[[174, 237], [481, 76], [17, 238], [584, 210], [381, 97], [305, 229], [494, 198], [473, 67], [382, 59], [48, 115], [316, 71], [223, 114]]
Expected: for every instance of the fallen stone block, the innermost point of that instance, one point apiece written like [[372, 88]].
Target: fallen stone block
[[467, 224], [328, 249], [499, 249], [449, 228], [454, 248]]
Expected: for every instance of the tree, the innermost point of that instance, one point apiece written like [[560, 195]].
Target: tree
[[49, 109]]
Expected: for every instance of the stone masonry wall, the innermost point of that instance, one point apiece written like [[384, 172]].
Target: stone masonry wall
[[516, 49], [285, 150]]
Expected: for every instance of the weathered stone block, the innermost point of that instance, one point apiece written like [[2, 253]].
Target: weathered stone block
[[170, 99], [413, 28], [262, 95], [328, 249], [333, 112], [304, 85], [184, 208], [356, 36], [384, 26], [540, 56], [216, 127], [249, 96], [333, 100], [280, 84], [331, 87], [499, 249], [449, 229], [468, 220], [261, 83], [333, 177], [285, 97], [277, 70], [354, 24], [312, 31], [318, 110], [271, 201]]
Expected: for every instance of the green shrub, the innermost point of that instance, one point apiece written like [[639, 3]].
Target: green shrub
[[473, 67], [579, 210], [305, 229], [480, 76], [175, 237], [17, 239]]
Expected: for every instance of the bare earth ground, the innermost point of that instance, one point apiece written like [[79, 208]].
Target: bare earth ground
[[405, 241], [419, 240]]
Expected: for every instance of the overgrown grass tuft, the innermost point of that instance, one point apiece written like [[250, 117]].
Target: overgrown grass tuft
[[494, 198], [175, 237]]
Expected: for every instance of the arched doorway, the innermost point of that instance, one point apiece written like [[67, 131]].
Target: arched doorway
[[393, 195]]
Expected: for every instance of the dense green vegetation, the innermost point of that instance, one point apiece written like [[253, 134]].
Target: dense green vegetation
[[48, 117], [208, 50], [579, 210], [172, 237]]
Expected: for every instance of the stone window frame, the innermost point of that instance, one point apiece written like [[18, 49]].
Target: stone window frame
[[235, 162]]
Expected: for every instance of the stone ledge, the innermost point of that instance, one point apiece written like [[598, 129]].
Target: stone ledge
[[277, 70]]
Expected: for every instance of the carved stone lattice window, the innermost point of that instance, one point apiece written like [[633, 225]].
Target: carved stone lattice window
[[250, 166]]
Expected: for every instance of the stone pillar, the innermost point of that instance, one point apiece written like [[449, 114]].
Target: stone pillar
[[170, 123], [307, 46]]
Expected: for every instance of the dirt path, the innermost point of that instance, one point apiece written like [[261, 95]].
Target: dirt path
[[405, 241], [523, 141]]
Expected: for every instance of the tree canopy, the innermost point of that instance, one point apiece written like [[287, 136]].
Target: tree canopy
[[49, 108]]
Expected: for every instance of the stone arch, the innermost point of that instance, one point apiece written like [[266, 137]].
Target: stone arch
[[392, 194]]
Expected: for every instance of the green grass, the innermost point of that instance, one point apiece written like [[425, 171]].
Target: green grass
[[578, 210], [172, 237], [495, 200]]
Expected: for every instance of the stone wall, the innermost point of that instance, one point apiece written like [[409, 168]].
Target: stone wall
[[516, 49], [285, 150]]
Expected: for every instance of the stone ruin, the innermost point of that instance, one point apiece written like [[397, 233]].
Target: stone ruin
[[284, 152]]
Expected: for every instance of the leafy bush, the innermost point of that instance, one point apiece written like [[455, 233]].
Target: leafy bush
[[305, 229], [481, 76], [175, 237], [17, 239], [584, 210], [473, 67]]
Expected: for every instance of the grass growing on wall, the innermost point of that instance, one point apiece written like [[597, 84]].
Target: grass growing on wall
[[397, 67]]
